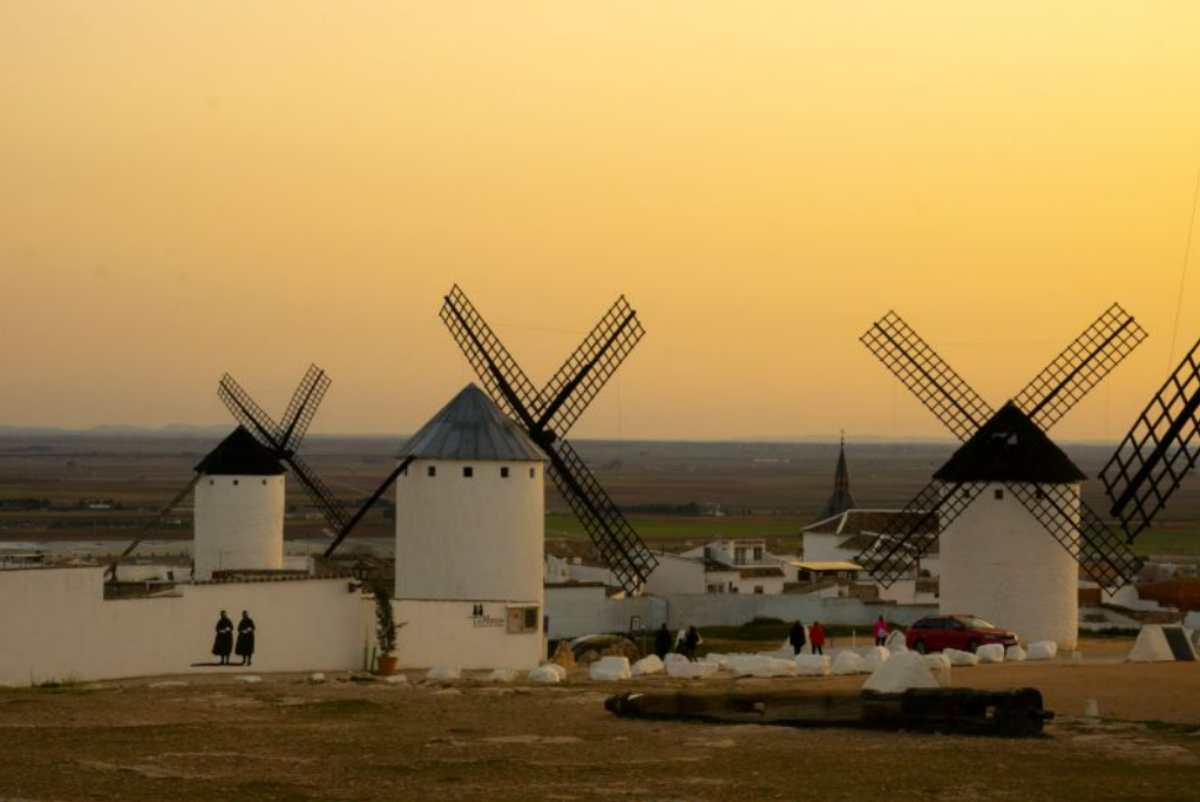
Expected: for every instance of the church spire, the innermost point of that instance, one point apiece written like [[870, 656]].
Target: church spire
[[841, 500]]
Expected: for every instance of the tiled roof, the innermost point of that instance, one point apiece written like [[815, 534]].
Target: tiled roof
[[471, 427], [1010, 448], [240, 454]]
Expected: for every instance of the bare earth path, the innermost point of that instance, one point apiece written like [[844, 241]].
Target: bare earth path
[[284, 739]]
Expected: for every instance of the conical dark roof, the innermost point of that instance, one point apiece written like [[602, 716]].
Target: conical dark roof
[[841, 500], [1010, 448], [240, 454], [471, 427]]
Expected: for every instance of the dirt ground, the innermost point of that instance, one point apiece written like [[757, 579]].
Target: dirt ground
[[216, 738]]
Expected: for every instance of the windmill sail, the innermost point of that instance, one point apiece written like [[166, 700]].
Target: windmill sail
[[1158, 452]]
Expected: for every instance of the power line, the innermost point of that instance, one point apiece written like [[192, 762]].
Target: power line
[[1187, 252]]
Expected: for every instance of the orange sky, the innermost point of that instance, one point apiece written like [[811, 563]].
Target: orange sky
[[195, 187]]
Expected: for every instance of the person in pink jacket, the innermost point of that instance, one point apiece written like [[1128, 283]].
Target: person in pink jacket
[[881, 631]]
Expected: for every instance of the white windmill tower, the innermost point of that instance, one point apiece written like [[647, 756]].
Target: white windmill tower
[[470, 516], [239, 508], [1006, 488]]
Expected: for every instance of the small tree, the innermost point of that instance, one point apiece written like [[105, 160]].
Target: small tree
[[385, 623]]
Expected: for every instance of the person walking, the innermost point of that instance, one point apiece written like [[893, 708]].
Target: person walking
[[245, 639], [690, 641], [816, 636], [662, 642], [881, 631], [796, 637], [223, 643]]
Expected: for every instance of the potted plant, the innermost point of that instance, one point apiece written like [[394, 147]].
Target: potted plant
[[385, 631]]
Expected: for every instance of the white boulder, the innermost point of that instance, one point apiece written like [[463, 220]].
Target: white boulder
[[812, 665], [648, 665], [848, 662], [958, 658], [610, 669], [758, 665], [443, 673], [901, 672], [990, 653], [1151, 647], [1014, 653], [1043, 650], [249, 679], [697, 670], [896, 642], [317, 677], [396, 679], [875, 657], [939, 666], [502, 675], [674, 657], [547, 674]]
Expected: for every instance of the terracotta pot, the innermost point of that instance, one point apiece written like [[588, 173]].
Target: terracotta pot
[[387, 665]]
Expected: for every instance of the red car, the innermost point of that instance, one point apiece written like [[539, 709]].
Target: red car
[[963, 632]]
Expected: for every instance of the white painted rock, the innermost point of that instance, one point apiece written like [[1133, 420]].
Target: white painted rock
[[1151, 647], [812, 665], [649, 665], [396, 679], [939, 666], [896, 642], [958, 658], [610, 669], [698, 670], [875, 657], [714, 657], [757, 665], [547, 674], [674, 657], [168, 684], [848, 662], [316, 677], [990, 653], [503, 675], [249, 679], [901, 672], [1043, 650], [1014, 653], [443, 673]]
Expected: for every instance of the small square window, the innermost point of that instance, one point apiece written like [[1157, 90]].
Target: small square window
[[431, 470], [533, 473], [999, 494], [264, 482], [504, 473], [468, 472], [235, 481]]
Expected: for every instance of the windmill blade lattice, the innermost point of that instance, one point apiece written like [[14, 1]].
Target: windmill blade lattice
[[927, 375], [910, 535], [616, 540], [1081, 366], [492, 362], [584, 374], [1100, 549], [248, 413], [559, 405], [1158, 452], [329, 505], [303, 407]]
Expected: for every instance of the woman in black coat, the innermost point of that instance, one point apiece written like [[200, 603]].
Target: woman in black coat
[[223, 643], [245, 639], [796, 637]]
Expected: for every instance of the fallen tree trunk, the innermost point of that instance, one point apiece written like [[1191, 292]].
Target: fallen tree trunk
[[1015, 713]]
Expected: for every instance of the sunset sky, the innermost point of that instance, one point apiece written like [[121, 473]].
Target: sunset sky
[[194, 187]]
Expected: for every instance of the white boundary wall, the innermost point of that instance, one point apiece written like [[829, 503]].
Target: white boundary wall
[[586, 610], [57, 626]]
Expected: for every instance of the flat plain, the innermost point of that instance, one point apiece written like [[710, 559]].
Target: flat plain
[[285, 739]]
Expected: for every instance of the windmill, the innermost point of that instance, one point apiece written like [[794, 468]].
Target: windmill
[[1013, 448], [280, 441], [1159, 450], [548, 414]]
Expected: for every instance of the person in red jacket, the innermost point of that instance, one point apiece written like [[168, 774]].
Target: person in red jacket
[[816, 636], [881, 631]]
